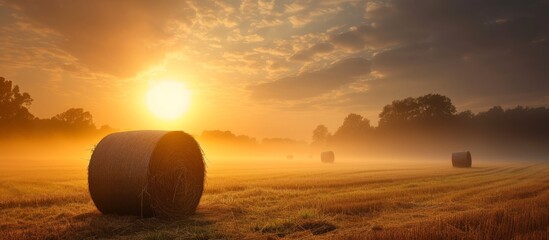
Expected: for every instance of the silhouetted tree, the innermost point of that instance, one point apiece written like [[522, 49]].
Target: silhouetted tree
[[424, 110], [435, 106], [14, 105], [415, 125], [465, 115], [76, 117], [463, 121], [16, 120], [320, 135], [106, 128], [519, 121], [226, 137], [398, 112], [354, 126]]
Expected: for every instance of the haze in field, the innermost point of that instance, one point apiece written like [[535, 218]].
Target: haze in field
[[400, 92]]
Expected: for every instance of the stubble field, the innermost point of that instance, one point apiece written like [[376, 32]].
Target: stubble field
[[423, 200]]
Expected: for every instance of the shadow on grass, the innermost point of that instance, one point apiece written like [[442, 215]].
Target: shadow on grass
[[94, 225]]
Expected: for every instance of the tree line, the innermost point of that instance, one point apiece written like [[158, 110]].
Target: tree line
[[406, 125], [17, 120], [432, 120]]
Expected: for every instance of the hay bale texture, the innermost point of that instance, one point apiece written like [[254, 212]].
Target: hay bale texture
[[461, 159], [147, 173], [327, 157]]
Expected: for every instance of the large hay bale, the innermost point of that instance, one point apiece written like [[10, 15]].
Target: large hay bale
[[461, 159], [327, 157], [147, 173]]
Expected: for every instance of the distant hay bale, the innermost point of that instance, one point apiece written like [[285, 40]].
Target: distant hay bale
[[327, 157], [147, 173], [461, 159], [289, 156]]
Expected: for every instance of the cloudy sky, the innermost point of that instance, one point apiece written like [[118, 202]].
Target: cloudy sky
[[273, 68]]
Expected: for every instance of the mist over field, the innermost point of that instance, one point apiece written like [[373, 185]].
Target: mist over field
[[392, 181], [274, 119]]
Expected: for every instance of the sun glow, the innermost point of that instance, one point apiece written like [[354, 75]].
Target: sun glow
[[168, 99]]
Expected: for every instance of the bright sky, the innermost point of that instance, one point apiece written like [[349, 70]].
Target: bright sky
[[272, 68]]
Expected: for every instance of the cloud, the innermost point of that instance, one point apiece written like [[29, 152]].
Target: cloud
[[351, 40], [115, 37], [308, 54], [236, 36], [466, 49], [301, 13], [463, 48], [314, 83]]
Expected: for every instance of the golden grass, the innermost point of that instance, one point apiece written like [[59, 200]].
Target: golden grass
[[307, 201]]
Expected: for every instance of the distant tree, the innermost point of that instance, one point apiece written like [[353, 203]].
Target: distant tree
[[519, 121], [76, 117], [320, 135], [218, 135], [435, 106], [354, 126], [492, 120], [431, 108], [106, 128], [14, 105], [399, 111], [465, 115], [492, 114], [464, 120], [226, 137]]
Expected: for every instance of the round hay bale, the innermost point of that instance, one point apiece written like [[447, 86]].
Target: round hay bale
[[327, 157], [147, 173], [461, 159]]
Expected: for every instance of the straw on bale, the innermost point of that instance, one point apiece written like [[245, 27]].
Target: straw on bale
[[461, 159], [147, 173], [327, 157]]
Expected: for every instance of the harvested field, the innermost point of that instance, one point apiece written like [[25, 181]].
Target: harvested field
[[339, 201]]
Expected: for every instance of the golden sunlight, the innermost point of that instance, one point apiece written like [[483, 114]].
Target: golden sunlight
[[168, 99]]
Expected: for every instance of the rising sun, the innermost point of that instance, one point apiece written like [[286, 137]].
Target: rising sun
[[168, 99]]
